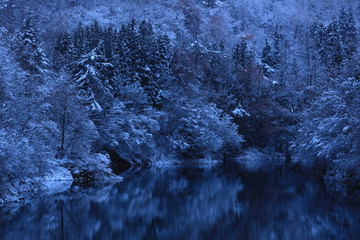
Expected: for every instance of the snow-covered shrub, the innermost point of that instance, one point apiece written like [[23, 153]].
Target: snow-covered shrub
[[199, 131], [331, 129], [130, 132], [19, 165]]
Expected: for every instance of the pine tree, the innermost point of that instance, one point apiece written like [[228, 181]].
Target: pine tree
[[163, 73], [142, 57], [318, 36], [63, 55], [149, 68], [121, 56], [94, 34], [350, 41], [267, 58], [333, 49], [240, 51], [132, 54], [163, 49], [30, 54], [348, 32], [277, 49], [93, 75], [109, 39], [145, 62], [242, 60], [192, 21], [327, 43], [79, 41]]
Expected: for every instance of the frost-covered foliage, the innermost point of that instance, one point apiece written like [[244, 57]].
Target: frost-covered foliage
[[93, 77], [26, 131], [131, 80], [41, 117], [330, 132], [141, 134], [131, 133], [75, 131], [194, 80], [202, 131], [332, 128]]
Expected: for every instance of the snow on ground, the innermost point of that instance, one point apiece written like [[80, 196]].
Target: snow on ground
[[59, 178]]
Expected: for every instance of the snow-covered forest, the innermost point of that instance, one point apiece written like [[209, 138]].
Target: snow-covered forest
[[176, 81]]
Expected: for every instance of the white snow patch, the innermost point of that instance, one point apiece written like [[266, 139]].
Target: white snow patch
[[58, 180], [346, 129], [240, 111]]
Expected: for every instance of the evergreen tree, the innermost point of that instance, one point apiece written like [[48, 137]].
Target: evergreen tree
[[94, 34], [192, 16], [30, 54], [240, 52], [215, 70], [93, 75], [79, 41], [163, 50], [63, 55], [142, 56], [243, 66], [153, 68], [145, 61], [318, 37], [109, 39], [121, 57], [348, 32], [132, 54], [333, 49], [350, 42], [267, 58], [163, 73], [277, 49]]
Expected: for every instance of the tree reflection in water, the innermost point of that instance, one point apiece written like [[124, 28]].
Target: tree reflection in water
[[191, 203]]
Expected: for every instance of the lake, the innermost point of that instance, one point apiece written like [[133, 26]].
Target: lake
[[204, 202]]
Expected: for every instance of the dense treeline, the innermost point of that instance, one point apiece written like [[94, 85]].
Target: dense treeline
[[134, 91], [101, 90]]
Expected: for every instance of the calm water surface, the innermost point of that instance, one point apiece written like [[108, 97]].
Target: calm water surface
[[191, 203]]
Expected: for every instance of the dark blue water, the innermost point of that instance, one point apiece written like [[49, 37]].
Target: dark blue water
[[191, 203]]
